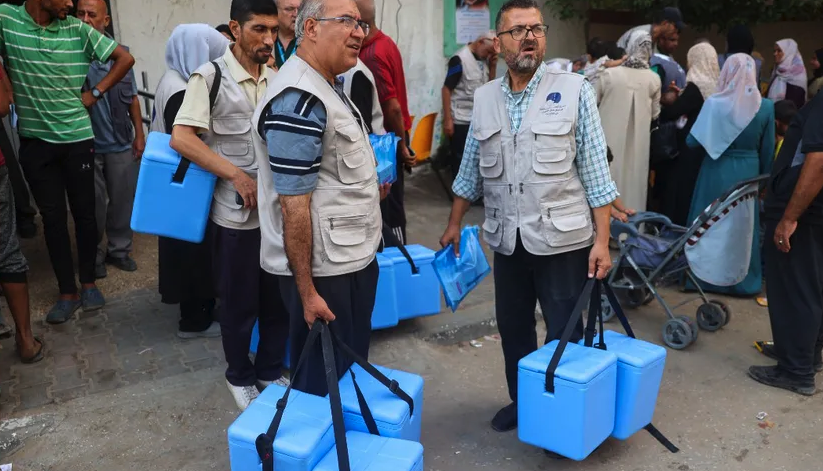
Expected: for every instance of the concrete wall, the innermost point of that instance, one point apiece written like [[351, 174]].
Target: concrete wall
[[145, 26]]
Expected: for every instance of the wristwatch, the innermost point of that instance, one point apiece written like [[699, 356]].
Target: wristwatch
[[96, 93]]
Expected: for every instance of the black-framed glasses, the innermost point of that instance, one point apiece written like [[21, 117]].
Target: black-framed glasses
[[519, 33], [349, 22]]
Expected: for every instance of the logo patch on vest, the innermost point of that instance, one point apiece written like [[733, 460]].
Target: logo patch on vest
[[552, 106]]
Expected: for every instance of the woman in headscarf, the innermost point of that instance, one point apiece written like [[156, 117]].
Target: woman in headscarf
[[629, 99], [735, 128], [185, 268], [676, 179], [740, 40], [789, 78], [816, 81]]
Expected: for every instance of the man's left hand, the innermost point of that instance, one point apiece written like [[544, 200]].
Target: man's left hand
[[600, 261], [406, 156], [384, 190], [88, 99], [138, 146], [783, 234]]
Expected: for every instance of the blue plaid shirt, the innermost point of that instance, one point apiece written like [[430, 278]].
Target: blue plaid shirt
[[592, 163]]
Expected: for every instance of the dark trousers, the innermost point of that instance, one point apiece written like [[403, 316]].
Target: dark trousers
[[794, 285], [351, 298], [247, 294], [22, 198], [457, 145], [54, 171], [196, 315], [520, 280]]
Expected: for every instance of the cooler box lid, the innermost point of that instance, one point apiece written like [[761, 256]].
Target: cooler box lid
[[577, 365], [306, 421], [633, 352], [385, 406], [420, 254], [383, 262], [158, 150]]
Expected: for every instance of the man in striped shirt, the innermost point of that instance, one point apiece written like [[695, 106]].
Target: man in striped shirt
[[47, 54]]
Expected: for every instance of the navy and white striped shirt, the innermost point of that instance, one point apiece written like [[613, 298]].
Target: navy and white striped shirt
[[293, 128]]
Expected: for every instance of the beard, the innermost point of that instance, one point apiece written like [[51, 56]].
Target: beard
[[523, 64]]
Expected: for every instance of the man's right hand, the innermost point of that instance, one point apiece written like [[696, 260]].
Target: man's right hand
[[246, 187], [451, 236], [448, 127], [315, 307]]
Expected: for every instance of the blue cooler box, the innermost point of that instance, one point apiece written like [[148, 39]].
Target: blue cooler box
[[373, 453], [165, 208], [384, 314], [304, 437], [390, 412], [579, 416], [255, 340], [640, 367], [417, 295]]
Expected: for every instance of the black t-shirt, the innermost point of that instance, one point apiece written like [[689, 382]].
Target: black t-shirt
[[362, 95], [804, 136]]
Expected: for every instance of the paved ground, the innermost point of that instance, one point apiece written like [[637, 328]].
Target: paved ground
[[118, 391]]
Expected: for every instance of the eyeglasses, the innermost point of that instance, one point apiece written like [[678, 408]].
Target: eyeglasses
[[349, 22], [519, 33]]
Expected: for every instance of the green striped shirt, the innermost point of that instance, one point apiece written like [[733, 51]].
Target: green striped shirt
[[48, 66]]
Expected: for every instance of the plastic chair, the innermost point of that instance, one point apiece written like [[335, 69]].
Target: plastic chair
[[421, 144]]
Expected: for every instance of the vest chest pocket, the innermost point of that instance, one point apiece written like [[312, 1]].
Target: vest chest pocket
[[567, 222], [354, 164], [552, 147], [491, 151], [234, 141]]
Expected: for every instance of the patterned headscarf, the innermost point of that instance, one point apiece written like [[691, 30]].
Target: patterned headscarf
[[639, 49], [726, 114], [790, 70], [703, 69]]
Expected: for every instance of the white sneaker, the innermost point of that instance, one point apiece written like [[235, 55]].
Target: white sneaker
[[243, 395], [281, 381]]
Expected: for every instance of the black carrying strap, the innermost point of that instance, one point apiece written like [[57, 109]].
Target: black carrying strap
[[368, 418], [389, 235], [265, 441], [567, 333], [185, 163]]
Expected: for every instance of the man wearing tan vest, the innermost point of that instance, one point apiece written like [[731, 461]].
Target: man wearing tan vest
[[220, 140], [319, 197], [537, 154]]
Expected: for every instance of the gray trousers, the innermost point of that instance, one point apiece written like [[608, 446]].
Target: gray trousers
[[115, 181]]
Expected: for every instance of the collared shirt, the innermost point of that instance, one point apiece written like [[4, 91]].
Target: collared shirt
[[382, 57], [105, 140], [47, 67], [282, 55], [196, 110], [591, 160]]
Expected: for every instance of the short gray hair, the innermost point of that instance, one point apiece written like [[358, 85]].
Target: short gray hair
[[308, 9]]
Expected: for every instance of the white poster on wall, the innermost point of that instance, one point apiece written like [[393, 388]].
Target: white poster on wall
[[472, 20]]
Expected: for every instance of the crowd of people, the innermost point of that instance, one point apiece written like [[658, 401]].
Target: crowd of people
[[278, 104]]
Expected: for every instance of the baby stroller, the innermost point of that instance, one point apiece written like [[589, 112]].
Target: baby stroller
[[716, 248]]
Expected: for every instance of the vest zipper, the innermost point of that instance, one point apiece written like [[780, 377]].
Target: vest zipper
[[521, 188], [511, 190]]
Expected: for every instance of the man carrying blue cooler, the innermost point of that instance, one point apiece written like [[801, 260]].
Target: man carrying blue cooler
[[537, 154], [319, 195], [219, 139]]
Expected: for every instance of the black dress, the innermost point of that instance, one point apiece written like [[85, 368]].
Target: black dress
[[675, 180], [185, 268]]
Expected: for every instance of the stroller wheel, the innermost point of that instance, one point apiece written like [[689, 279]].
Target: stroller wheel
[[725, 308], [692, 326], [637, 297], [711, 317], [606, 310], [677, 334]]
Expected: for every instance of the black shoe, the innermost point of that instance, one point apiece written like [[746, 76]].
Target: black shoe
[[554, 455], [777, 378], [26, 229], [100, 271], [506, 419], [126, 263], [769, 350]]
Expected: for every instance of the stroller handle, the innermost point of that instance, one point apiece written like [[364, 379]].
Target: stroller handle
[[704, 216]]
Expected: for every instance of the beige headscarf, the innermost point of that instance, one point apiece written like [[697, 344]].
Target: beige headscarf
[[704, 70]]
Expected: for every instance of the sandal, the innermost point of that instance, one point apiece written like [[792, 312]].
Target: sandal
[[37, 357]]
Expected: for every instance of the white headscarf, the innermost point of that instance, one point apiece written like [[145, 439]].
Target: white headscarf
[[704, 70], [192, 45], [727, 113], [790, 70], [639, 50]]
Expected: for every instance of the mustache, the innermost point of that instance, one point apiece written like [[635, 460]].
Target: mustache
[[530, 43]]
